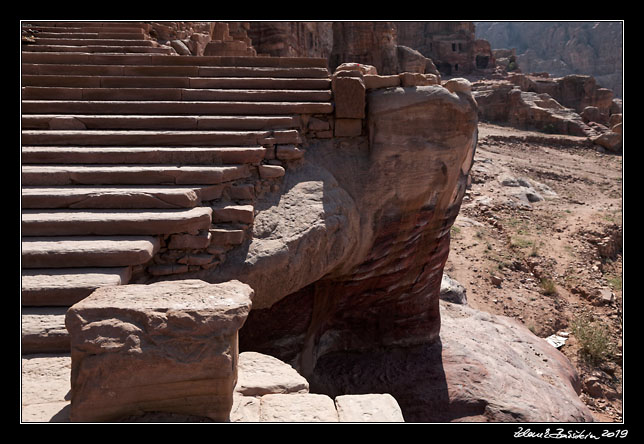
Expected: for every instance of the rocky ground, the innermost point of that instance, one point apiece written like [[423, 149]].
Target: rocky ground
[[539, 239]]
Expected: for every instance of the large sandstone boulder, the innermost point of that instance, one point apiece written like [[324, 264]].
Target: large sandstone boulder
[[485, 368], [350, 254]]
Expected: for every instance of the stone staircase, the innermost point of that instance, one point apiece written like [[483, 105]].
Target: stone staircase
[[139, 163]]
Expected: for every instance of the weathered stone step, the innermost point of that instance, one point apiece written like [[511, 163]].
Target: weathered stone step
[[103, 35], [43, 330], [113, 94], [131, 174], [87, 251], [158, 59], [143, 155], [102, 49], [58, 80], [150, 107], [109, 222], [80, 24], [80, 28], [143, 122], [90, 41], [155, 138], [134, 197], [65, 287], [176, 71]]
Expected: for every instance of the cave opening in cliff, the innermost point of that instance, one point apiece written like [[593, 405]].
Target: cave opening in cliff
[[482, 61]]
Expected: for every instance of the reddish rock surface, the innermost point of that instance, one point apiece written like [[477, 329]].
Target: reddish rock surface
[[485, 368]]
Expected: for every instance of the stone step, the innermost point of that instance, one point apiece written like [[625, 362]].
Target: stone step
[[66, 286], [173, 71], [143, 155], [132, 197], [48, 175], [87, 251], [114, 222], [102, 49], [81, 28], [43, 330], [143, 122], [91, 41], [113, 94], [102, 35], [81, 24], [150, 107], [157, 138], [159, 59], [87, 81]]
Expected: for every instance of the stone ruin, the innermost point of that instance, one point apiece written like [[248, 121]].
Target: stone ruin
[[181, 211]]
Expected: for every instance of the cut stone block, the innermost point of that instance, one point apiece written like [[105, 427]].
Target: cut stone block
[[261, 374], [234, 213], [297, 407], [368, 408], [271, 171], [167, 347], [349, 94]]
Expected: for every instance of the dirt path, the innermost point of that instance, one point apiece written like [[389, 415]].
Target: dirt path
[[539, 238]]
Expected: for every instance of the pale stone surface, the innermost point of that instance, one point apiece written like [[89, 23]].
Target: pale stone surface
[[165, 347], [261, 374], [271, 171], [302, 407], [368, 408], [45, 387], [245, 408]]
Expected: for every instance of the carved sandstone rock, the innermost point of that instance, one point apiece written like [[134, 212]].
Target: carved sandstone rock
[[165, 347], [351, 254]]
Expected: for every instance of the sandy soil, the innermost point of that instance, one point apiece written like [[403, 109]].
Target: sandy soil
[[549, 263]]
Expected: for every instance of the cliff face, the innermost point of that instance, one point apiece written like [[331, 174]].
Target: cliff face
[[292, 39], [392, 47], [562, 48]]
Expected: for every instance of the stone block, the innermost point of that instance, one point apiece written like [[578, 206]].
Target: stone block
[[348, 127], [168, 347], [261, 374], [376, 81], [271, 171], [417, 79], [220, 236], [288, 152], [234, 213], [371, 407], [189, 241], [349, 95], [242, 192], [297, 407]]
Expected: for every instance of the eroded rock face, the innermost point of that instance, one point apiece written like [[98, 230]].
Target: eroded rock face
[[364, 267], [485, 368]]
